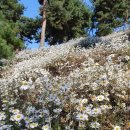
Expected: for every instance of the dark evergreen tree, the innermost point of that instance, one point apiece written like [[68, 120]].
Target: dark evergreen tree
[[10, 13], [14, 28], [11, 9], [29, 29], [108, 15], [9, 41], [66, 19]]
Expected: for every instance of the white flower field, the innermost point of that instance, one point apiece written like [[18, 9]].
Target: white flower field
[[68, 87]]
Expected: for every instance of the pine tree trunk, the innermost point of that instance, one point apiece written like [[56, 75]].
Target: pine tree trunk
[[42, 41], [126, 17]]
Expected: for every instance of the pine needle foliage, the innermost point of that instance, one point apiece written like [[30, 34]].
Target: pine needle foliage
[[108, 15], [9, 41], [15, 29], [10, 13], [66, 19]]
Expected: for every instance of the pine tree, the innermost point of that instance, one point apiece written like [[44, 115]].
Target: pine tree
[[108, 15], [29, 29], [14, 28], [8, 38], [11, 9], [65, 20], [44, 4]]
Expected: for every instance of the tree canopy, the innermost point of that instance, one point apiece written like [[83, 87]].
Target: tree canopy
[[10, 13], [66, 20], [15, 28], [108, 15]]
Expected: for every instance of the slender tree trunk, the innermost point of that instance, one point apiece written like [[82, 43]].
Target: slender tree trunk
[[42, 41], [126, 17]]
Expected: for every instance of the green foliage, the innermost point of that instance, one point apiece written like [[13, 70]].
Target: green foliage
[[14, 28], [5, 50], [108, 15], [9, 40], [66, 20], [29, 28], [11, 9], [10, 13]]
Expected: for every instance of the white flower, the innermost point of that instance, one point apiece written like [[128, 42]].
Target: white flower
[[94, 86], [57, 110], [84, 101], [93, 97], [88, 111], [31, 109], [100, 98], [2, 116], [45, 111], [57, 101], [127, 57], [96, 111], [5, 127], [24, 87], [104, 107], [104, 82], [33, 125], [107, 99], [15, 111], [12, 118], [90, 106], [18, 117], [82, 124], [46, 127], [27, 120], [117, 128], [94, 125], [123, 105], [13, 102], [82, 117]]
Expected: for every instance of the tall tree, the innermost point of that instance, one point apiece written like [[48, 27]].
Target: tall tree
[[108, 15], [43, 10], [66, 19], [9, 41], [10, 12], [15, 28]]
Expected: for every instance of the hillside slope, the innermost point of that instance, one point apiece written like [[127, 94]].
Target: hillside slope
[[77, 84]]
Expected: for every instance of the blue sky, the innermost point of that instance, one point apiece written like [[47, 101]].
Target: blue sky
[[32, 7], [32, 10]]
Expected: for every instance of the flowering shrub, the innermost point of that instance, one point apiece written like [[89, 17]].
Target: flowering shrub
[[68, 87]]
